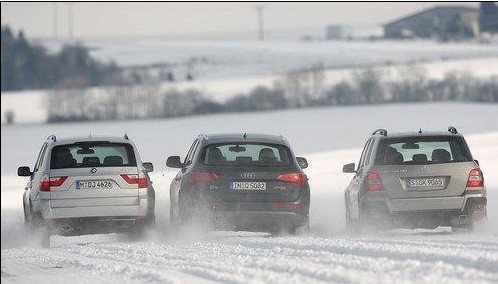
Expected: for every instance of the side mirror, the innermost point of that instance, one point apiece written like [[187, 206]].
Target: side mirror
[[24, 172], [302, 162], [348, 168], [174, 162], [148, 166], [477, 162]]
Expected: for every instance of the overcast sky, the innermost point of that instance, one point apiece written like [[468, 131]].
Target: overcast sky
[[199, 20]]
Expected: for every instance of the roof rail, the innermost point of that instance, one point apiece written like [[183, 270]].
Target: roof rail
[[452, 130], [52, 137], [126, 136], [382, 132]]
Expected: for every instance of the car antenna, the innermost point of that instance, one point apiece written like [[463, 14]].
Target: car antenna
[[245, 136], [420, 131]]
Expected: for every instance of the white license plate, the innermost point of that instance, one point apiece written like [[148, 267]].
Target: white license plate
[[91, 184], [426, 182], [245, 185]]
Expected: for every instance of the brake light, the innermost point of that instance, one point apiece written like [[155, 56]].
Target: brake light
[[296, 178], [480, 208], [140, 180], [198, 177], [373, 182], [47, 182], [476, 179]]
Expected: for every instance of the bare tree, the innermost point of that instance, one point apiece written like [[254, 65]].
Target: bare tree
[[369, 85]]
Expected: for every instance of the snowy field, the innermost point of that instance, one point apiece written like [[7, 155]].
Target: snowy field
[[30, 106], [228, 68], [246, 58], [329, 138]]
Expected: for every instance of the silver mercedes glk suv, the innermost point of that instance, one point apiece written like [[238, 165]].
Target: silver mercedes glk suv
[[415, 180], [88, 185]]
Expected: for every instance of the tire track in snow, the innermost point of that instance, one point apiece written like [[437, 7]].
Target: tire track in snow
[[290, 260]]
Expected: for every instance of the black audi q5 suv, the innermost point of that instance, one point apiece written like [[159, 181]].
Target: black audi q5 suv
[[248, 182]]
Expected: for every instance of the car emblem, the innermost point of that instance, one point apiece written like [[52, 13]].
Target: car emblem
[[248, 175], [93, 170]]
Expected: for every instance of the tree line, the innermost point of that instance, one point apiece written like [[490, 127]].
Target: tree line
[[28, 66], [298, 89]]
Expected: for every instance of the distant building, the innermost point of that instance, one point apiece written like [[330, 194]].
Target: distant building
[[336, 32], [444, 22], [488, 19]]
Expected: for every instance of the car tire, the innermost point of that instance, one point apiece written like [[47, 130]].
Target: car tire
[[173, 221], [36, 226], [45, 237]]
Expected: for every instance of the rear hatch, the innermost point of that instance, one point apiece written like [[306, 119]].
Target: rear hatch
[[248, 185], [93, 174], [250, 172], [415, 181], [424, 166]]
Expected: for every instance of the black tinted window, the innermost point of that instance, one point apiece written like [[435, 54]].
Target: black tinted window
[[422, 151], [83, 155], [246, 154]]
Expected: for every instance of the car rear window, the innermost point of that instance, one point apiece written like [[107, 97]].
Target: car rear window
[[99, 154], [246, 154], [422, 151]]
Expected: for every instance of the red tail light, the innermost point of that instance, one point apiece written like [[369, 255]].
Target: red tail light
[[296, 178], [47, 182], [139, 180], [373, 182], [197, 177], [480, 208], [476, 179]]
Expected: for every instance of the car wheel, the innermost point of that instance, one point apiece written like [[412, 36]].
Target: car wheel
[[45, 237], [188, 209]]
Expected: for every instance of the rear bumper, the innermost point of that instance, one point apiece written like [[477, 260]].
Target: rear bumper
[[426, 204], [258, 215], [49, 212], [257, 220], [426, 212], [94, 225]]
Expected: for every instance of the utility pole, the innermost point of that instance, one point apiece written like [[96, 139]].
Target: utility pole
[[56, 20], [70, 20], [261, 29]]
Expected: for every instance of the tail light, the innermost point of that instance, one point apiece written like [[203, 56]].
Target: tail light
[[476, 179], [373, 182], [480, 208], [140, 180], [198, 177], [47, 182], [296, 178]]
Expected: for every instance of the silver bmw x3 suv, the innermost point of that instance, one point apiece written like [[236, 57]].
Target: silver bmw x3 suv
[[88, 185], [415, 180]]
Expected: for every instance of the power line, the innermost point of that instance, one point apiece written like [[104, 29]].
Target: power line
[[56, 20], [70, 20], [261, 31]]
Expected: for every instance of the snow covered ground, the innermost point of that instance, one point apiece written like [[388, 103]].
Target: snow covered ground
[[228, 68], [329, 138], [30, 106], [246, 58]]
